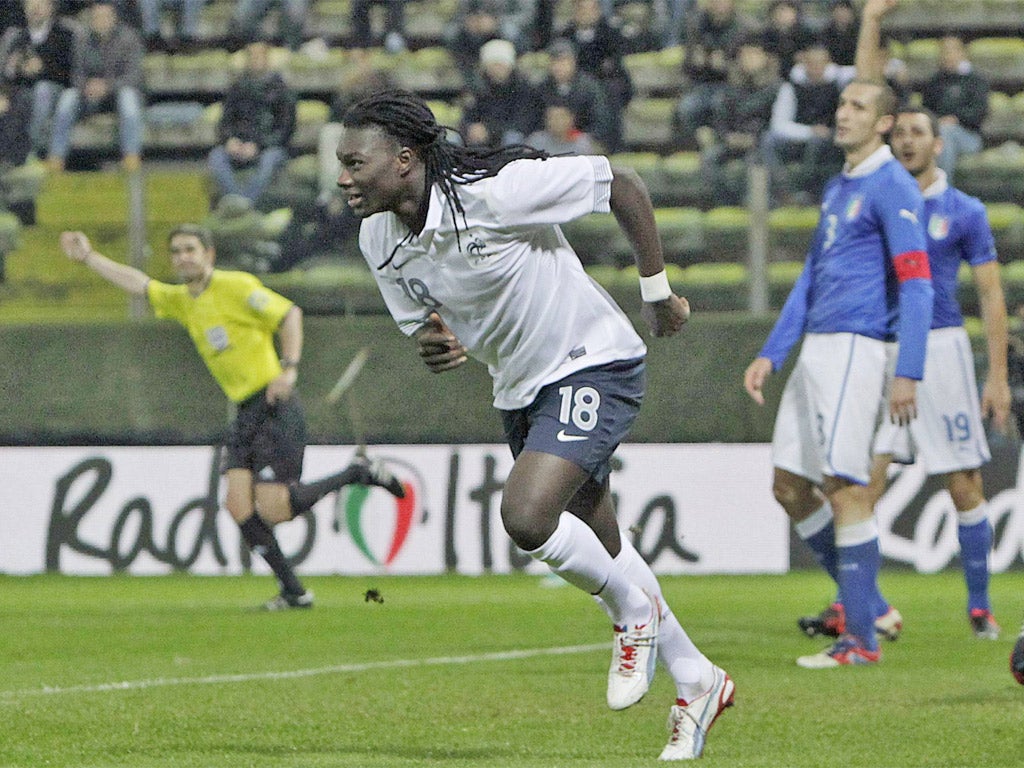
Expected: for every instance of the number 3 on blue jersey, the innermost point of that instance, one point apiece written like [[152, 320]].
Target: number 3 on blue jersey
[[579, 407]]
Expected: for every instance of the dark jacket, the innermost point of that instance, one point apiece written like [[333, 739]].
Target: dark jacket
[[512, 105], [586, 98], [57, 52], [746, 107], [116, 59], [600, 55], [258, 108], [14, 139], [964, 95], [707, 37]]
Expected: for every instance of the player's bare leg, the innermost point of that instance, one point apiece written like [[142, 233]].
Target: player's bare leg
[[259, 537]]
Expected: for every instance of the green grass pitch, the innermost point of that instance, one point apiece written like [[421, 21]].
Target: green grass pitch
[[181, 671]]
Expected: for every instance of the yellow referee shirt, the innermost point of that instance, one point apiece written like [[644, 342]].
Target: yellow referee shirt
[[232, 323]]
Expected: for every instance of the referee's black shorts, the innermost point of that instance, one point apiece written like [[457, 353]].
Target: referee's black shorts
[[268, 440]]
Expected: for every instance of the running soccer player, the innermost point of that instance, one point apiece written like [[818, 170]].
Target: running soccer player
[[948, 435], [866, 281], [233, 319], [467, 251]]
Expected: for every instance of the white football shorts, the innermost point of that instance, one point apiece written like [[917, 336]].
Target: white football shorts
[[831, 407], [948, 433]]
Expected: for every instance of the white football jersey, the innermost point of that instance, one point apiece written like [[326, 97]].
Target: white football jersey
[[510, 286]]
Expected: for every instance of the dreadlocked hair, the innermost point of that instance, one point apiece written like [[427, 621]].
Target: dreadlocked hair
[[407, 119]]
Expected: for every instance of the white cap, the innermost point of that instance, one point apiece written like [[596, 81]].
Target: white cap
[[498, 52]]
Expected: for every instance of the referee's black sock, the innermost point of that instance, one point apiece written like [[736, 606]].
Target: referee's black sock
[[304, 495], [260, 539]]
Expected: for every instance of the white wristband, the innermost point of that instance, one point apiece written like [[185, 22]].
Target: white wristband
[[655, 287]]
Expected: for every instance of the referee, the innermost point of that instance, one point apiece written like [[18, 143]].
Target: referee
[[233, 319]]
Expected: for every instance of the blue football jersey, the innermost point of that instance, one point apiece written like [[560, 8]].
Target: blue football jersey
[[958, 232], [867, 220], [867, 258]]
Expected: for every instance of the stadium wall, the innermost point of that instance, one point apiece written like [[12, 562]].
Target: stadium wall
[[142, 384]]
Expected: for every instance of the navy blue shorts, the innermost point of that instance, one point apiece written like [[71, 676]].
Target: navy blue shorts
[[583, 417], [268, 440]]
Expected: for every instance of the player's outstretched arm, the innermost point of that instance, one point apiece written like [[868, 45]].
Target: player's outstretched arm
[[440, 349], [868, 58], [663, 311], [76, 246]]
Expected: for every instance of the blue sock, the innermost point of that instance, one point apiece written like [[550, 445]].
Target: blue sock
[[818, 531], [859, 562], [975, 535]]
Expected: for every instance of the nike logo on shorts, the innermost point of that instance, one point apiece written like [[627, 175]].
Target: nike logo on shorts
[[564, 438]]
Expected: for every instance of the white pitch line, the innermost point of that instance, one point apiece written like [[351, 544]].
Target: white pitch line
[[163, 682]]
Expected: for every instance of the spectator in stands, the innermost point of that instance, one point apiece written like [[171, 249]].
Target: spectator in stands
[[560, 136], [711, 39], [11, 15], [566, 85], [676, 13], [959, 96], [896, 73], [39, 56], [477, 21], [800, 130], [839, 35], [739, 122], [599, 51], [786, 33], [107, 76], [247, 21], [254, 130], [541, 32], [501, 107], [394, 25], [15, 142], [186, 24]]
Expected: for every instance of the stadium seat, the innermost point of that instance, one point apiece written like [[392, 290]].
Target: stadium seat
[[682, 234], [1001, 59], [321, 73], [921, 56], [790, 229], [330, 19], [684, 184], [649, 165], [310, 116], [656, 72], [1007, 222], [427, 70], [995, 175], [597, 239], [725, 232], [445, 112], [647, 123]]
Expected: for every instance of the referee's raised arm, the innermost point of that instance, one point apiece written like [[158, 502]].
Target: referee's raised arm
[[76, 246]]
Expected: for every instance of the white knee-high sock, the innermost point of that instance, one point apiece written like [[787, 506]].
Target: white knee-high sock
[[689, 668], [575, 553]]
